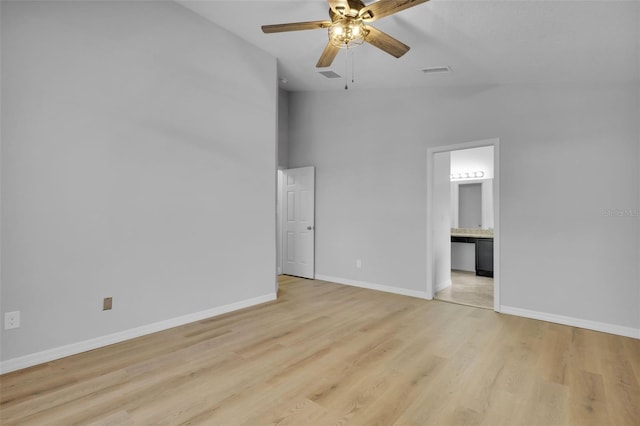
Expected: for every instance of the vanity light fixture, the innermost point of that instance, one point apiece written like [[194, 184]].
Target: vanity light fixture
[[467, 175]]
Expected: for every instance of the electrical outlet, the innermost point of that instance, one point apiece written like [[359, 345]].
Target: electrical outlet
[[11, 320], [358, 263], [107, 303]]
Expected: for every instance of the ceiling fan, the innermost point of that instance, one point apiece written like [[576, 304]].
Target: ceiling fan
[[349, 26]]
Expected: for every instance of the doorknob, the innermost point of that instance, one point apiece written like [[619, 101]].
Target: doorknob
[[309, 228]]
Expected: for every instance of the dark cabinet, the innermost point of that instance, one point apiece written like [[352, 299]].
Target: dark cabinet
[[484, 257]]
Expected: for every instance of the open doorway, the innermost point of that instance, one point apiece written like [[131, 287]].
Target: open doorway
[[462, 224]]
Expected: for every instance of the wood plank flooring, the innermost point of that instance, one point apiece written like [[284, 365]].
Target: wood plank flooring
[[327, 354], [467, 288]]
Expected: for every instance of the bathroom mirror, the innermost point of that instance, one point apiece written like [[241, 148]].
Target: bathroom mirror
[[472, 204]]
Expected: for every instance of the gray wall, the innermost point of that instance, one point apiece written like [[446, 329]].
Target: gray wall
[[569, 153], [283, 163], [138, 162], [283, 129]]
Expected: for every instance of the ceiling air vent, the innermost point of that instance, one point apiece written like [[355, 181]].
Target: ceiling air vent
[[329, 74], [434, 70]]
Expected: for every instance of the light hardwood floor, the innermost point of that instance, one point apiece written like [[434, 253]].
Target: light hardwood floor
[[467, 288], [330, 354]]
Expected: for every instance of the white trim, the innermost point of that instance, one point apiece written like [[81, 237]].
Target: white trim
[[430, 290], [496, 226], [429, 263], [574, 322], [279, 217], [98, 342], [371, 286], [442, 286]]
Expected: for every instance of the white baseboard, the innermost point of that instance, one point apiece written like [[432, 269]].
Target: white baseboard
[[98, 342], [575, 322], [558, 319], [442, 286], [371, 286]]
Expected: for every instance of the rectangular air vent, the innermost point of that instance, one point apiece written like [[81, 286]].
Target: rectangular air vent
[[434, 70], [329, 74]]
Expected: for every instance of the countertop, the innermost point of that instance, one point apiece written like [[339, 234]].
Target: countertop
[[473, 233]]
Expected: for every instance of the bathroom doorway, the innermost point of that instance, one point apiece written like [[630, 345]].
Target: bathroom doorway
[[462, 223]]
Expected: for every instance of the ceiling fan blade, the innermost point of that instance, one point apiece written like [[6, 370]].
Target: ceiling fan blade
[[295, 26], [385, 42], [327, 56], [383, 8], [339, 6]]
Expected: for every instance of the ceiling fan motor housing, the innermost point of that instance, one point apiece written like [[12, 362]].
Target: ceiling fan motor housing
[[354, 9]]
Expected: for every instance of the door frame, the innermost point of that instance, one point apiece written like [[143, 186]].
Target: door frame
[[279, 218], [431, 152]]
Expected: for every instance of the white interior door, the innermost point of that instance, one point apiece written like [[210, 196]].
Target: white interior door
[[299, 222]]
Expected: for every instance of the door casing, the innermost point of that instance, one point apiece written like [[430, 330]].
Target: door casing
[[496, 213]]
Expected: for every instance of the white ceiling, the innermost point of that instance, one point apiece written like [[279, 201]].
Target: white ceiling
[[484, 42]]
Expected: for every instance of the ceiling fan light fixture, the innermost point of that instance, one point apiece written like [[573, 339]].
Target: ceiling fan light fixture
[[347, 32]]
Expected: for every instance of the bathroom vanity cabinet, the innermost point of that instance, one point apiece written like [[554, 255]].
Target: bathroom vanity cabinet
[[483, 253]]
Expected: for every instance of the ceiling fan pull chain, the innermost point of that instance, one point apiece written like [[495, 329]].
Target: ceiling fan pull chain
[[346, 70], [353, 68]]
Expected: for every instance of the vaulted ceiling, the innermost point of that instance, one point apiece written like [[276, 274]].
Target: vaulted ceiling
[[483, 42]]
